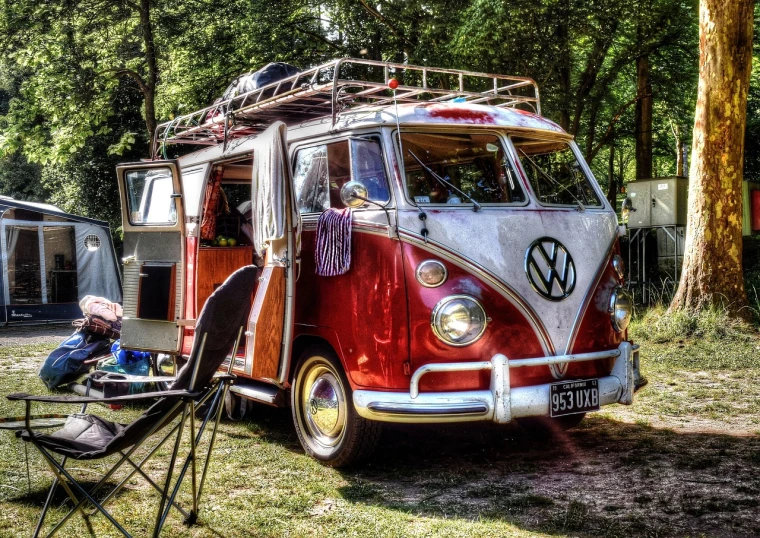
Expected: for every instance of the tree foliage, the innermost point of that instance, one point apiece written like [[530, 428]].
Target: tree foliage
[[91, 78]]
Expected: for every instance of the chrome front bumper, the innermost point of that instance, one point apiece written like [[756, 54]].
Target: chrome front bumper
[[501, 403]]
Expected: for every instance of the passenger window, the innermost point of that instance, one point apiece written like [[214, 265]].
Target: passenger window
[[150, 194], [321, 171]]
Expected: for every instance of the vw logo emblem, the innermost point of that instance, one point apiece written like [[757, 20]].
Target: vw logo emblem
[[550, 269]]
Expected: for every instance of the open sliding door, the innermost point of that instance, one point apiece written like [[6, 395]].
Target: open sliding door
[[270, 326], [154, 223]]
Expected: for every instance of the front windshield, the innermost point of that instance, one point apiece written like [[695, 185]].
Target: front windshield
[[554, 173], [475, 164]]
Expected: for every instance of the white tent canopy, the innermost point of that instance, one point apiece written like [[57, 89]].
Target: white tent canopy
[[50, 260]]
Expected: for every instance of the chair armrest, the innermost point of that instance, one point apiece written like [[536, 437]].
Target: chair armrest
[[20, 396], [110, 377]]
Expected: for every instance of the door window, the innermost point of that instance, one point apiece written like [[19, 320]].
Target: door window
[[322, 170], [150, 194]]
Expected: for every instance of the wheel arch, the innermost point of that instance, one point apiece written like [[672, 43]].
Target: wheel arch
[[304, 341]]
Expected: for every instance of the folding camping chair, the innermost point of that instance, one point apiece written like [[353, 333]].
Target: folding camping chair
[[89, 437]]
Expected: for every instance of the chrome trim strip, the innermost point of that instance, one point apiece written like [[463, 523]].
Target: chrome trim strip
[[429, 409]]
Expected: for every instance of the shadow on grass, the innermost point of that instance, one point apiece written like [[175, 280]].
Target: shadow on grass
[[605, 478]]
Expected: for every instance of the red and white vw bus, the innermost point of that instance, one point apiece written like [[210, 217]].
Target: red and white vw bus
[[484, 283]]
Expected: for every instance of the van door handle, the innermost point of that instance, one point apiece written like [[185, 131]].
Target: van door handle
[[128, 260], [143, 275]]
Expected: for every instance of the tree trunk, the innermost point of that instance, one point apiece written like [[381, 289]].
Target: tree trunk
[[149, 89], [643, 119], [563, 70], [679, 158], [712, 268], [612, 183]]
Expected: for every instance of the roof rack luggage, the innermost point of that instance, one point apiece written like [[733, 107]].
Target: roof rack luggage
[[338, 86]]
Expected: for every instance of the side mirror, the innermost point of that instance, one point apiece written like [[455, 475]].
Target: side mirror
[[352, 194]]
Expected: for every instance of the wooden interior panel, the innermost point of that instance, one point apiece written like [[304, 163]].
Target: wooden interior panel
[[215, 264], [266, 323]]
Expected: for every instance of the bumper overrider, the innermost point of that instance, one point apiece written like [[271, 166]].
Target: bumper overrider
[[501, 403]]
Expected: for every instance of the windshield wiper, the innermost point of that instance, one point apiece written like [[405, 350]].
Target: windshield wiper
[[581, 207], [447, 184]]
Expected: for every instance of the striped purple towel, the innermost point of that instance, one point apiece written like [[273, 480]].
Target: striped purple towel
[[333, 251]]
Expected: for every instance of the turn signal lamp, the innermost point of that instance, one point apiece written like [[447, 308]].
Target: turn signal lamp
[[431, 273]]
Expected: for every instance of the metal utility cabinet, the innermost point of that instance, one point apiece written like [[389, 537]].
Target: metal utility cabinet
[[659, 207], [658, 202]]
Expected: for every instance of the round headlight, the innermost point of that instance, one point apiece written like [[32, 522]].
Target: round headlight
[[459, 320], [621, 307], [619, 266], [431, 273]]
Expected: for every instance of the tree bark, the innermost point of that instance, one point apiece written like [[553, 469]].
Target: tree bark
[[679, 151], [712, 268], [149, 91], [564, 67], [643, 126], [612, 183]]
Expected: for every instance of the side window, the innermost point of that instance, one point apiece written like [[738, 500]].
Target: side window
[[321, 171], [310, 179], [367, 158]]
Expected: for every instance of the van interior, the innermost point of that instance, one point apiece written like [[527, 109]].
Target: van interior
[[226, 235]]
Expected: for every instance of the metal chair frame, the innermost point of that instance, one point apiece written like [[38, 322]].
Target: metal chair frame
[[190, 402]]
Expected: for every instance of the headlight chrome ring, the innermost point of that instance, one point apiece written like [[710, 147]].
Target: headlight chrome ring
[[621, 309], [459, 320]]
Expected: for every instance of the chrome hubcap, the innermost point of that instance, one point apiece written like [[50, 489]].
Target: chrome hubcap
[[323, 406]]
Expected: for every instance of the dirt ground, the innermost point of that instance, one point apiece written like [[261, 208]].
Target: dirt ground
[[34, 334], [615, 475]]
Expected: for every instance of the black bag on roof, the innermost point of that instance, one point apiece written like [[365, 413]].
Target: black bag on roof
[[258, 79]]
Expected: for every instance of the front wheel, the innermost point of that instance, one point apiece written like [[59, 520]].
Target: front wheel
[[326, 422]]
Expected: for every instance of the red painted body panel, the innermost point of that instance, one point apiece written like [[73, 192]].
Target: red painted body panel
[[366, 308], [191, 250], [595, 332], [509, 332]]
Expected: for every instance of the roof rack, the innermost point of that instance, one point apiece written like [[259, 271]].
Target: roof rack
[[338, 86]]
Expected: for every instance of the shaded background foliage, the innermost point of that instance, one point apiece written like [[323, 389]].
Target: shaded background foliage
[[76, 75]]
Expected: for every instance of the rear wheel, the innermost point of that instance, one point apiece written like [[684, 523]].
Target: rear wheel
[[327, 424]]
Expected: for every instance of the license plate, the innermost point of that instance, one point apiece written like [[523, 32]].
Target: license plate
[[570, 397]]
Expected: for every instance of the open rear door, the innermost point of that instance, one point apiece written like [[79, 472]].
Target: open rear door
[[153, 223], [275, 222]]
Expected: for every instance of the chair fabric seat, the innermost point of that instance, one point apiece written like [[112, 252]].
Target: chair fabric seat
[[82, 436]]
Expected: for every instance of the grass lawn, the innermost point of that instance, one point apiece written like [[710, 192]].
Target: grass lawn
[[684, 460]]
